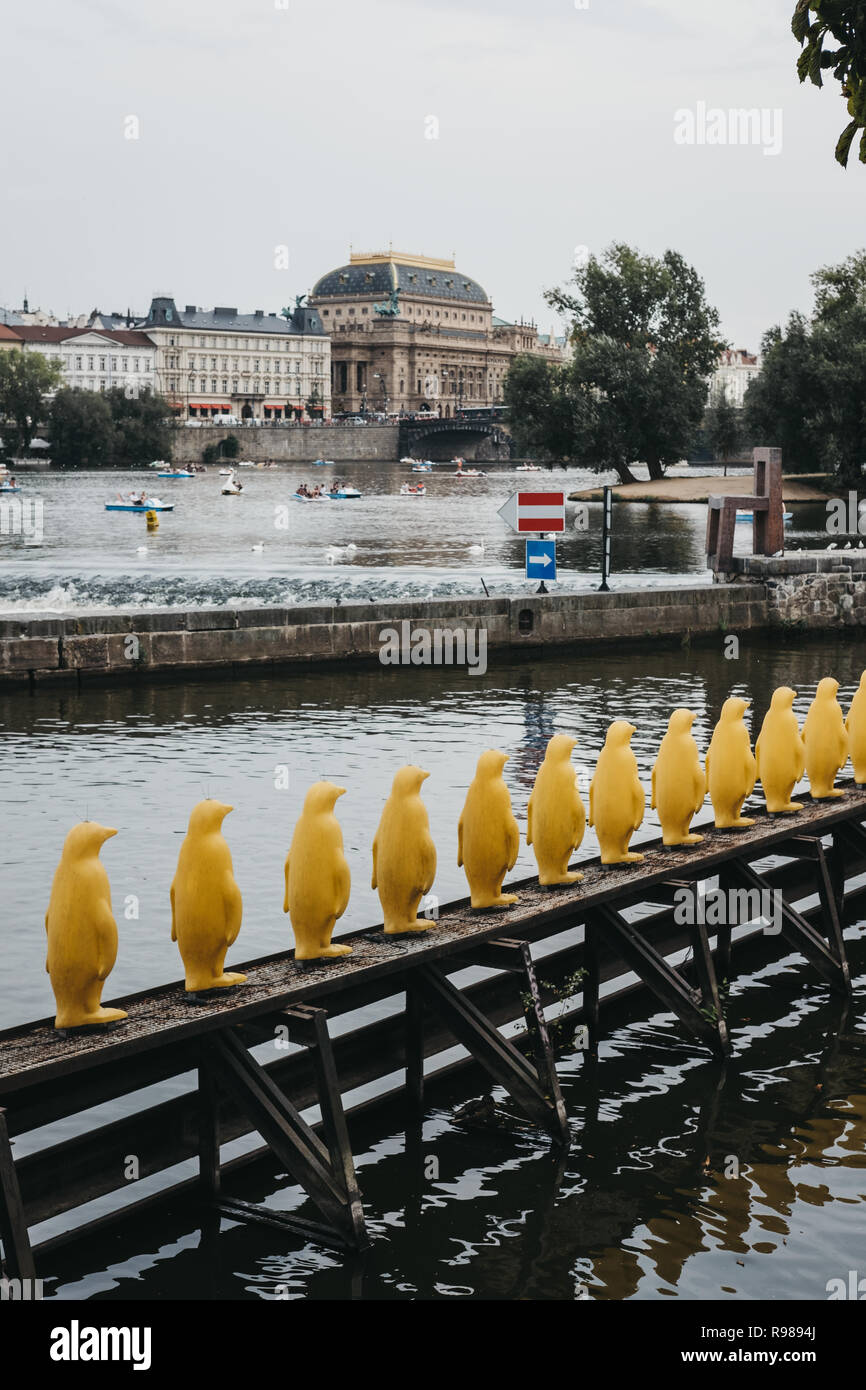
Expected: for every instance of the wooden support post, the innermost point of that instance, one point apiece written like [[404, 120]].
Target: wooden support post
[[208, 1129], [540, 1100], [310, 1025], [591, 985], [414, 1043], [294, 1142], [667, 983], [800, 934], [18, 1256]]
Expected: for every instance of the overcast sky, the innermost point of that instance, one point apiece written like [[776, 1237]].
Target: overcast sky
[[261, 125]]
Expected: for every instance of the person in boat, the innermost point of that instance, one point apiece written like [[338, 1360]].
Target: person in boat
[[303, 490], [317, 490]]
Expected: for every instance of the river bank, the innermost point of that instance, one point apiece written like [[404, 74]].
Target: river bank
[[698, 489]]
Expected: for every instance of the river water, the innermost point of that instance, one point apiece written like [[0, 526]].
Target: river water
[[203, 553], [641, 1206]]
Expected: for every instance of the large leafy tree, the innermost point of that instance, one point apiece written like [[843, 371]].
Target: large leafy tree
[[723, 428], [25, 380], [810, 398], [833, 37], [644, 341], [142, 424], [82, 429]]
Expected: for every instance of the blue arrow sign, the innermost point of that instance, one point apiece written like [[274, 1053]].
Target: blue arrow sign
[[541, 559]]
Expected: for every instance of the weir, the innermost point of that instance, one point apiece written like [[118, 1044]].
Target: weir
[[629, 925]]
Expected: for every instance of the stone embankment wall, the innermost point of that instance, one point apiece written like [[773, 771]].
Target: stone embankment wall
[[290, 443], [818, 590], [179, 643]]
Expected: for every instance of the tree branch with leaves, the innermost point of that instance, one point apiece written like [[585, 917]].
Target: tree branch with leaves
[[833, 37]]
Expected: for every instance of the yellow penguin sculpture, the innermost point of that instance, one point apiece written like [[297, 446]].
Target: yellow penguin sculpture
[[856, 726], [487, 835], [556, 818], [82, 932], [317, 876], [206, 904], [826, 740], [731, 766], [404, 855], [679, 783], [780, 753], [616, 797]]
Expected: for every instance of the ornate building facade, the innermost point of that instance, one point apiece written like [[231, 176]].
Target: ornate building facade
[[412, 333], [256, 366]]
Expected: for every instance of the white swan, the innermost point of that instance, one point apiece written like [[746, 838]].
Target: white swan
[[257, 549], [476, 549]]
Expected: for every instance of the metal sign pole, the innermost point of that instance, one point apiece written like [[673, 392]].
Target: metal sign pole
[[604, 587]]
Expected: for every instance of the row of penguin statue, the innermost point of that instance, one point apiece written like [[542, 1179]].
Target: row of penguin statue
[[206, 902]]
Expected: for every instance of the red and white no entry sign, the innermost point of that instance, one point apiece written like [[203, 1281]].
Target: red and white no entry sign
[[535, 511]]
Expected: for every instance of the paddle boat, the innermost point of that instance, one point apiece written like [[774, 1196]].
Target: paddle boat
[[407, 459], [407, 490], [343, 493], [245, 463], [323, 463], [425, 467], [750, 516], [232, 488], [299, 497], [150, 504], [469, 473], [178, 473], [9, 487], [528, 468]]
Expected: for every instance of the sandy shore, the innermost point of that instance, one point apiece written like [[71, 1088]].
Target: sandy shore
[[698, 489]]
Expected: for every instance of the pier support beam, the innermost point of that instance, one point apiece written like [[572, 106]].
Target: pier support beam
[[829, 959], [18, 1256], [535, 1090], [326, 1171], [699, 1010]]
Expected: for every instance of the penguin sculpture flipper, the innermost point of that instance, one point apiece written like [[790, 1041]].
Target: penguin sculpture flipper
[[234, 911], [512, 843], [460, 843], [529, 822], [173, 915], [591, 808], [653, 788], [375, 880], [286, 876]]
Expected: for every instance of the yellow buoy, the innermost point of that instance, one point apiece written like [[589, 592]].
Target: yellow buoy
[[152, 521]]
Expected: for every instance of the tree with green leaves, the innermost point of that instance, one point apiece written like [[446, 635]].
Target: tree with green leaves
[[25, 380], [143, 426], [644, 343], [723, 428], [810, 399], [833, 37], [82, 429]]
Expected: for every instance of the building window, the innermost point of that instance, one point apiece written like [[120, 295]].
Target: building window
[[203, 384], [235, 385], [213, 385], [90, 364], [225, 388], [365, 310], [78, 362], [338, 313]]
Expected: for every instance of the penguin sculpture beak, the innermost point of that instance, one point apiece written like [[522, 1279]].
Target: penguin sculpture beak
[[341, 791], [424, 775], [632, 729], [107, 833]]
